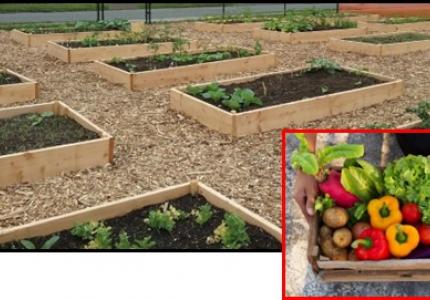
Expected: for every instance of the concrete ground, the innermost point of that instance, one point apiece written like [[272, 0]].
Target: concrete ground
[[166, 14], [300, 278]]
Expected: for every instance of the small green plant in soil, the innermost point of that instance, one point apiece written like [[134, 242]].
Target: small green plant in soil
[[80, 26], [231, 232], [203, 214], [124, 242], [236, 101], [323, 64], [403, 20], [392, 38], [48, 244], [85, 231], [102, 238], [165, 218], [422, 110], [35, 131]]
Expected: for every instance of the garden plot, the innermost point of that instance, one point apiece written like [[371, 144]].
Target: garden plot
[[227, 27], [399, 24], [186, 216], [16, 88], [382, 44], [265, 102], [80, 51], [33, 36], [176, 68], [45, 140]]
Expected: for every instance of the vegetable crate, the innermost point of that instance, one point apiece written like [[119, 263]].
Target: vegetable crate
[[127, 205], [348, 271]]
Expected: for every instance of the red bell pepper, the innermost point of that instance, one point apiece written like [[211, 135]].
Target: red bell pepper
[[371, 245], [411, 213]]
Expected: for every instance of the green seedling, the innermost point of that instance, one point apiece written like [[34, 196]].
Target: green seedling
[[318, 64], [231, 232], [102, 238], [85, 231], [46, 245], [36, 119], [203, 214], [324, 89]]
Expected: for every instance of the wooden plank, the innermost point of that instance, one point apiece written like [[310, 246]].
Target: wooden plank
[[18, 92], [353, 46], [288, 114], [305, 37], [41, 39], [101, 212], [230, 206], [219, 27], [388, 264], [113, 74], [206, 114], [37, 164], [374, 276], [109, 52], [313, 249], [410, 125]]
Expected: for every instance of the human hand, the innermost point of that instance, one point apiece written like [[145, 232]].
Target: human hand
[[305, 191]]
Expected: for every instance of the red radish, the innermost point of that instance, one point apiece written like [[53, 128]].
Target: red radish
[[335, 190]]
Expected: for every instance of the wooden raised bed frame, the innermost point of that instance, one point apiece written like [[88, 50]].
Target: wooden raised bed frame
[[305, 37], [26, 90], [348, 271], [219, 27], [72, 55], [378, 49], [381, 27], [282, 115], [126, 205], [137, 81], [37, 164], [40, 39]]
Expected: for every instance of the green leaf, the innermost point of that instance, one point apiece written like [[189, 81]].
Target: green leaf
[[304, 144], [323, 203], [28, 245], [330, 153], [51, 242], [47, 114], [355, 181], [305, 161], [374, 174]]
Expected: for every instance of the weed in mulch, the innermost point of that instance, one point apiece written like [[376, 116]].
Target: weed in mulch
[[35, 131]]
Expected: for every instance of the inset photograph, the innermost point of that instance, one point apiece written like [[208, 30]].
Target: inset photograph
[[357, 212]]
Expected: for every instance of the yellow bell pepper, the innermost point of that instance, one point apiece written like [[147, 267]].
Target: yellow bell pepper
[[402, 239], [384, 212]]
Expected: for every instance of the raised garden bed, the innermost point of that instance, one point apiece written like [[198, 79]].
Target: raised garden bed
[[192, 224], [399, 24], [16, 88], [45, 140], [72, 52], [150, 72], [382, 44], [228, 27], [289, 97]]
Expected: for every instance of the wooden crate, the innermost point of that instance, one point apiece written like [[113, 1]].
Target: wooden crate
[[138, 81], [305, 37], [124, 206], [282, 115], [37, 164], [219, 27], [341, 45], [41, 39], [72, 55], [353, 271], [381, 27], [26, 90]]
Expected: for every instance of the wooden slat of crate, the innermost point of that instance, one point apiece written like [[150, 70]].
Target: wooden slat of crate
[[280, 116], [26, 90], [41, 39], [72, 55], [377, 276], [37, 164]]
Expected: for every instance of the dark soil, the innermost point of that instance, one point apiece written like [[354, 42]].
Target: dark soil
[[291, 87], [187, 234], [390, 39], [151, 63], [6, 78], [101, 43], [20, 133], [318, 28]]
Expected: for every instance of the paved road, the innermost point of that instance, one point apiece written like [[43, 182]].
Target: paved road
[[157, 14], [300, 278]]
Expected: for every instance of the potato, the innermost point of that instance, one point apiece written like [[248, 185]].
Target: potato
[[335, 217], [358, 228], [340, 254], [325, 232], [342, 237], [328, 247]]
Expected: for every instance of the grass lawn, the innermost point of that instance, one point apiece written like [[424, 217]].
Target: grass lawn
[[46, 7]]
